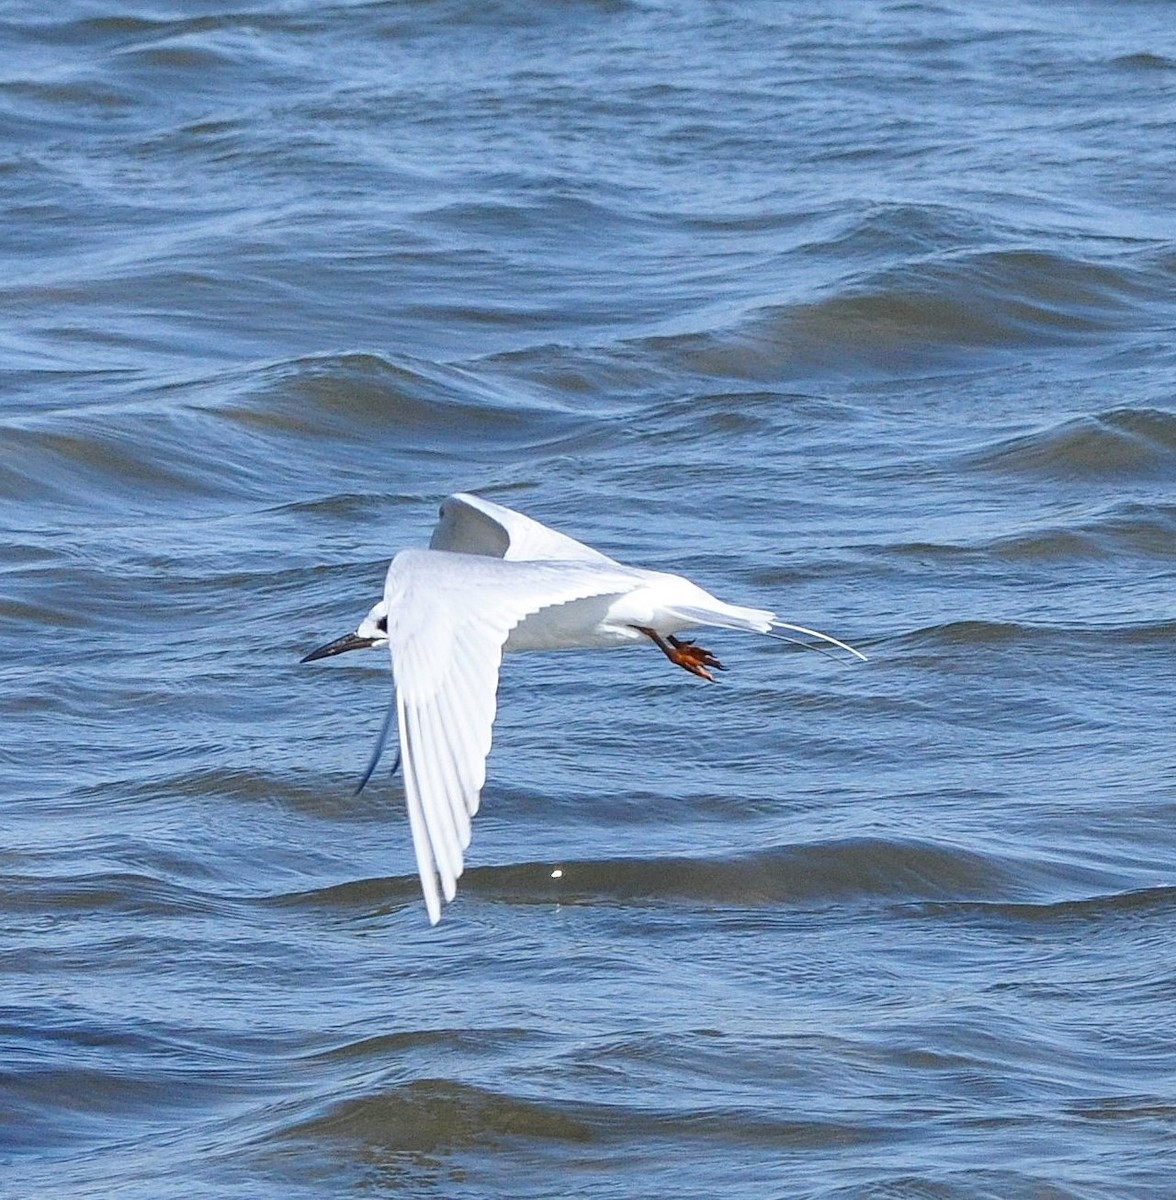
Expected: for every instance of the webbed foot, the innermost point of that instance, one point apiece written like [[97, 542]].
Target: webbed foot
[[682, 652]]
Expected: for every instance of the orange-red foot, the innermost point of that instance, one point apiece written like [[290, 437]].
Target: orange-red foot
[[685, 654]]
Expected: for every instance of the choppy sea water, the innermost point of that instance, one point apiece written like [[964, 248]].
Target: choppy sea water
[[863, 312]]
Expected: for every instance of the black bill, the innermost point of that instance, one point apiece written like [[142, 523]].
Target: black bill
[[349, 641]]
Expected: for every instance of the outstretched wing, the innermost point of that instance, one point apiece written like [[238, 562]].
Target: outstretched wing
[[470, 525], [449, 618]]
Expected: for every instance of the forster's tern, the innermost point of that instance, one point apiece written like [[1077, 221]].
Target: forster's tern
[[494, 580]]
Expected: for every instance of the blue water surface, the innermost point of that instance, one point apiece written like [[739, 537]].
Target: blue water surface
[[859, 312]]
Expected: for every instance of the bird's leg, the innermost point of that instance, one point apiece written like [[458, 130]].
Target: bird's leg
[[684, 653]]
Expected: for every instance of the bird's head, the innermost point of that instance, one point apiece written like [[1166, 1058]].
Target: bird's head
[[372, 631]]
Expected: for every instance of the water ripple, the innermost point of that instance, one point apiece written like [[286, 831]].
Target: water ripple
[[1122, 443]]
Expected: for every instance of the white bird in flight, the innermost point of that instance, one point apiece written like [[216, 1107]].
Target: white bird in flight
[[494, 580]]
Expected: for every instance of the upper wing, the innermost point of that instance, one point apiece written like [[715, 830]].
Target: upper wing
[[449, 616], [470, 525]]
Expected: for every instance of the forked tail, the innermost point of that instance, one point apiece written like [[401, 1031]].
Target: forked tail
[[812, 633], [758, 620]]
